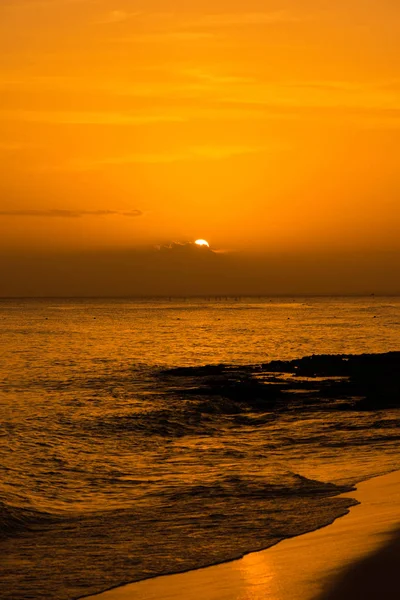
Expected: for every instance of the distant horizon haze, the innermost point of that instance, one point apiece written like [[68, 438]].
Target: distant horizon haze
[[189, 270]]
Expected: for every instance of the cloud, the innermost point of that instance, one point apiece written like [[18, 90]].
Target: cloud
[[69, 214], [118, 16], [15, 146], [246, 19], [88, 118], [185, 251], [205, 20], [165, 27], [222, 152], [198, 153], [26, 4], [203, 75], [167, 36], [189, 154]]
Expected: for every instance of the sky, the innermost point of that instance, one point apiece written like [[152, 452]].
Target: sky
[[129, 129]]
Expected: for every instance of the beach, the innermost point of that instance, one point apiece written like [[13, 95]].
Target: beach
[[354, 557]]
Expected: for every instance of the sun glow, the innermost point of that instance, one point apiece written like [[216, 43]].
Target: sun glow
[[202, 243]]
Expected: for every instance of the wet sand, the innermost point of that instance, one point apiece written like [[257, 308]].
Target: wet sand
[[358, 556]]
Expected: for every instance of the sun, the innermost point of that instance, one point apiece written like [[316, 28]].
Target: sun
[[202, 243]]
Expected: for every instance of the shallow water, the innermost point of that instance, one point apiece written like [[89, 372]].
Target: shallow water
[[103, 457]]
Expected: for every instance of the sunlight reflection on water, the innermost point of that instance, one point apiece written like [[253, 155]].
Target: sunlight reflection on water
[[89, 426]]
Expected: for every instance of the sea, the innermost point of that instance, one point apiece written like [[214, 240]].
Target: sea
[[113, 469]]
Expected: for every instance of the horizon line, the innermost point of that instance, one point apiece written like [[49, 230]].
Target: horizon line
[[203, 296]]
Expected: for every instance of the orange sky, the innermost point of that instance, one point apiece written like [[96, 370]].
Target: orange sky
[[268, 127]]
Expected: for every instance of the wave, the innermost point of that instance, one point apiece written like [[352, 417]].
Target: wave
[[286, 485], [178, 530], [158, 423], [15, 519]]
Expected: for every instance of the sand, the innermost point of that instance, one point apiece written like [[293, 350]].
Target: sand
[[358, 556]]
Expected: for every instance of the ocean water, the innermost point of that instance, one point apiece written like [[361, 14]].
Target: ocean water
[[114, 469]]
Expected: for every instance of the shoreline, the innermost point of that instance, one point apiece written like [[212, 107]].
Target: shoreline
[[314, 560]]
